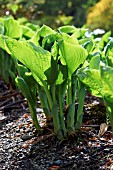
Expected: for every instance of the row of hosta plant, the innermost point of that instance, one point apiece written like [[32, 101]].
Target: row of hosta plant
[[15, 30], [98, 78], [61, 65]]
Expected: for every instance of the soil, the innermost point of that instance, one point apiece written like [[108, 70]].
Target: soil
[[21, 148]]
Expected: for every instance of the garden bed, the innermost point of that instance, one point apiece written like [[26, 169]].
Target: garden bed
[[22, 148]]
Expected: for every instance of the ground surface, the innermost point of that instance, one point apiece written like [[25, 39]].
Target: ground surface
[[22, 149]]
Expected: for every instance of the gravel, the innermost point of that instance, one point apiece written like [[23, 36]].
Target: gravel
[[21, 148]]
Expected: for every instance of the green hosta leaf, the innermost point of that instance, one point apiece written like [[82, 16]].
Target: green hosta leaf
[[74, 55], [89, 45], [84, 40], [69, 39], [67, 29], [7, 66], [27, 32], [45, 30], [95, 62], [109, 49], [12, 28], [41, 33], [3, 43], [22, 20], [30, 82], [104, 39], [52, 72], [107, 78], [48, 41], [100, 82], [62, 76], [109, 106], [92, 79], [32, 26], [27, 91], [81, 96], [1, 28], [35, 58], [12, 76], [76, 32], [79, 33], [110, 61], [107, 92], [24, 88], [109, 53], [55, 50], [21, 70]]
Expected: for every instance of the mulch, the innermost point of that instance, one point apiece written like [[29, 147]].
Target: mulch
[[21, 148]]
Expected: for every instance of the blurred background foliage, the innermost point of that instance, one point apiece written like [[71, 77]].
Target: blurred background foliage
[[49, 12], [95, 14], [101, 16]]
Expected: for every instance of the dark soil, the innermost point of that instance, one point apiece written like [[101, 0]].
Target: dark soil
[[21, 148]]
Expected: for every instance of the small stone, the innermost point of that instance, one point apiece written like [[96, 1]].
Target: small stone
[[111, 167], [17, 130], [50, 163], [2, 160], [25, 146], [107, 150], [58, 162], [26, 137], [21, 130], [2, 118], [10, 150]]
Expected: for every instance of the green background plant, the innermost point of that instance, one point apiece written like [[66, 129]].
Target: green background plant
[[51, 13], [101, 16]]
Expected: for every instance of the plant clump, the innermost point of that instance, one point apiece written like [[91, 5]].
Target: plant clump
[[61, 66]]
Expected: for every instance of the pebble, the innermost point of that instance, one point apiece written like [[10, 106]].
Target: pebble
[[26, 137], [111, 167], [2, 118], [58, 162]]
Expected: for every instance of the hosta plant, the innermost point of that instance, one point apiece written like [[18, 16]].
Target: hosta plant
[[12, 28], [98, 78], [53, 59]]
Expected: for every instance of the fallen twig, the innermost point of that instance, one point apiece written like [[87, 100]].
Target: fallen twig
[[9, 95], [4, 102], [94, 126], [11, 104]]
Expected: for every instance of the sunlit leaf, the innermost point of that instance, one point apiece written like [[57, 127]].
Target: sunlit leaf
[[12, 28], [74, 55], [35, 58], [92, 79]]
